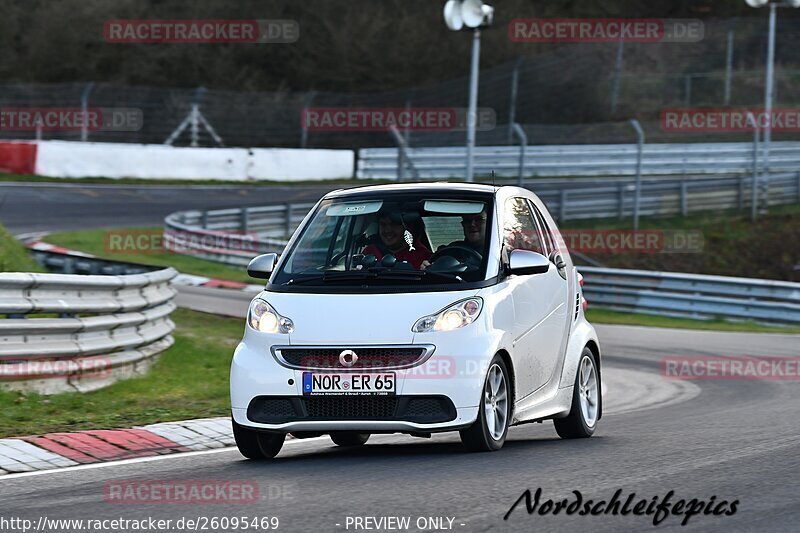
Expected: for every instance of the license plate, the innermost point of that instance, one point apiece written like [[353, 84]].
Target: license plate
[[323, 383]]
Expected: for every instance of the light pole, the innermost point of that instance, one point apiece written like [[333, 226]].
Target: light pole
[[472, 14], [769, 91]]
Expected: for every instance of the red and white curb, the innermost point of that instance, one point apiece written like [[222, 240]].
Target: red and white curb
[[59, 450], [32, 242]]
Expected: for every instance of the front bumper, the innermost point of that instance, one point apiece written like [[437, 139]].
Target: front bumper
[[455, 372]]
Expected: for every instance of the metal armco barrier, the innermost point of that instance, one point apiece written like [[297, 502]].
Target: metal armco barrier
[[580, 160], [692, 295], [67, 350], [233, 236]]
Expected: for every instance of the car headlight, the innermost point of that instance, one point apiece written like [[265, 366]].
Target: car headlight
[[263, 317], [456, 316]]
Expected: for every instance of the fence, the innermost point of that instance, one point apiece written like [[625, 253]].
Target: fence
[[692, 295], [571, 92], [100, 328], [580, 160]]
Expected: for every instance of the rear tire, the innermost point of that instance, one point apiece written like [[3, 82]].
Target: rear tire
[[349, 438], [489, 431], [257, 445], [584, 413]]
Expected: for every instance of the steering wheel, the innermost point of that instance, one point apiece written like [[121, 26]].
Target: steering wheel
[[461, 252]]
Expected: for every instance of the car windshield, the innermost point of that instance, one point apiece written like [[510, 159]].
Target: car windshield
[[422, 239]]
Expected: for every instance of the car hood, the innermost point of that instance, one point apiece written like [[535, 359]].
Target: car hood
[[358, 319]]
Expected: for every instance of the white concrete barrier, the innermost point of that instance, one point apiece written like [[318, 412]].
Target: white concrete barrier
[[287, 164], [65, 159]]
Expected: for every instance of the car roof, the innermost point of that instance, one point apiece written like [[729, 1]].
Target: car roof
[[399, 188]]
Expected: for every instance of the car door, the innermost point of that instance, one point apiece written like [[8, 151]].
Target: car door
[[540, 302]]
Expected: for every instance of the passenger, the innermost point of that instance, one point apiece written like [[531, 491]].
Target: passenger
[[392, 241]]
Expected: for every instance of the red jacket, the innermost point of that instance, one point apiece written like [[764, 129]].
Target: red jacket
[[415, 257]]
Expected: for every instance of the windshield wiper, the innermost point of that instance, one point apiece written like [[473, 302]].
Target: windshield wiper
[[415, 274], [331, 276], [370, 274]]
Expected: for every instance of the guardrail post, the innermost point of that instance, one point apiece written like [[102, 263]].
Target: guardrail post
[[512, 108], [289, 209], [741, 193], [523, 145], [638, 192], [562, 206], [245, 219], [684, 198], [204, 219], [621, 199], [401, 166], [798, 186], [402, 155], [754, 192]]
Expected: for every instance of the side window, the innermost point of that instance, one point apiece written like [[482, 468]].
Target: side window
[[519, 229], [549, 238]]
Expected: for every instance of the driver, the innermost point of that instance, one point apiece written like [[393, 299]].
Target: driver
[[474, 227], [392, 241]]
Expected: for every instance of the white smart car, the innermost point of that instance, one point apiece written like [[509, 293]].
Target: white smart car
[[416, 308]]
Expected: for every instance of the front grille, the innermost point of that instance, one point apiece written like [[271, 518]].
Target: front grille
[[367, 358], [351, 407], [420, 409]]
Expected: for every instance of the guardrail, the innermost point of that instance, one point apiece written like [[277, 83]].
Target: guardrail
[[580, 160], [233, 236], [692, 295], [68, 350]]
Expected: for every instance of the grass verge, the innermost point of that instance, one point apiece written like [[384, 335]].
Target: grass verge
[[13, 256], [606, 316], [732, 244], [94, 242], [190, 380]]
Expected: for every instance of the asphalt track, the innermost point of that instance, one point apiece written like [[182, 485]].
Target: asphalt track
[[732, 440], [735, 440], [27, 207]]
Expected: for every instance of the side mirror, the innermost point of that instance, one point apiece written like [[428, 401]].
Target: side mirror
[[261, 266], [524, 262]]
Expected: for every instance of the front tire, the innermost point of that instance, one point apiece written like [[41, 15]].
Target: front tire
[[489, 431], [584, 413], [349, 438], [257, 445]]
